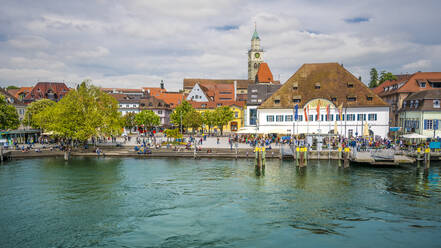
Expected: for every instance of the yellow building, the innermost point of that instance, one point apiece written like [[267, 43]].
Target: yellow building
[[232, 126]]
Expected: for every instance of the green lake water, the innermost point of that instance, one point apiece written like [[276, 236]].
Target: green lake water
[[111, 202]]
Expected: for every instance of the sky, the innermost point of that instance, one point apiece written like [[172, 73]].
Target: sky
[[138, 43]]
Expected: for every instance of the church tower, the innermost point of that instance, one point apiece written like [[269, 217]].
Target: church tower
[[254, 56]]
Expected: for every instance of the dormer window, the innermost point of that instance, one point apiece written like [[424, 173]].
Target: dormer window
[[436, 103], [351, 98], [369, 98], [423, 85], [317, 86], [277, 101], [334, 99], [350, 85], [416, 103], [295, 86]]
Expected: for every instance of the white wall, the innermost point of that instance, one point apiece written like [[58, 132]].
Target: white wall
[[197, 95], [379, 127]]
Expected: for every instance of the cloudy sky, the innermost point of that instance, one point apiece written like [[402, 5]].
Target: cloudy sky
[[136, 43]]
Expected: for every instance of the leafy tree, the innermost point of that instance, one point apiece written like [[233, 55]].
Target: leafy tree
[[83, 113], [8, 115], [374, 78], [209, 119], [387, 76], [12, 87], [173, 133], [192, 119], [129, 121], [178, 114], [32, 117], [223, 115], [147, 118]]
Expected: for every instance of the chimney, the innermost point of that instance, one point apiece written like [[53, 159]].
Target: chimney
[[162, 84]]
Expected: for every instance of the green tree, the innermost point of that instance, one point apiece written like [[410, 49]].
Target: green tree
[[209, 119], [192, 119], [83, 113], [8, 115], [178, 114], [12, 87], [223, 115], [374, 78], [33, 118], [173, 133], [386, 76], [147, 118], [129, 121]]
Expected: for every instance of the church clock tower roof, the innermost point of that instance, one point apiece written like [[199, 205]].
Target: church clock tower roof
[[255, 35]]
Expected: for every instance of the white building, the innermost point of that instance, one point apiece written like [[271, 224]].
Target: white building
[[331, 87]]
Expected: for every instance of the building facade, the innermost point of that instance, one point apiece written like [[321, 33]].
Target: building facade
[[421, 113], [394, 92], [327, 99]]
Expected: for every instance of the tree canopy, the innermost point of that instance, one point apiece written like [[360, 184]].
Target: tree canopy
[[179, 113], [385, 76], [12, 87], [129, 121], [33, 118], [223, 115], [192, 119], [84, 112], [374, 78], [8, 115], [209, 119], [147, 118]]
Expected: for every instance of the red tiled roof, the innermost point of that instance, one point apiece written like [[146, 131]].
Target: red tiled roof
[[408, 84], [264, 74], [171, 98], [213, 104], [122, 90], [23, 90], [40, 90], [154, 91]]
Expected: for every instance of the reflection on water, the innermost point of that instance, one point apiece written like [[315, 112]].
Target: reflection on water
[[183, 202]]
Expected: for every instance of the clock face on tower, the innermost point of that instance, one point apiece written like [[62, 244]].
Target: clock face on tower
[[257, 55]]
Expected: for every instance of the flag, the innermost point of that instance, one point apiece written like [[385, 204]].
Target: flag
[[340, 111], [328, 113], [318, 110], [306, 114], [296, 113]]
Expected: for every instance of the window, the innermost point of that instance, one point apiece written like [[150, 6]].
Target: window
[[372, 117], [329, 118], [337, 117], [225, 99], [361, 117], [225, 92], [288, 117], [369, 98], [279, 118], [277, 101], [203, 105], [352, 98], [270, 118], [350, 85], [317, 86], [253, 100], [416, 103], [299, 117], [296, 100], [350, 132], [423, 85], [295, 87], [253, 96], [127, 105], [334, 99], [436, 104], [219, 104], [254, 91], [159, 112], [350, 117], [236, 114], [310, 118], [428, 124]]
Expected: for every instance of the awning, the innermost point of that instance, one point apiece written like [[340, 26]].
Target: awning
[[414, 136]]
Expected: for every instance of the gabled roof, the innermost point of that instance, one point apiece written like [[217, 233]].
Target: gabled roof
[[213, 104], [171, 98], [11, 99], [425, 95], [154, 91], [408, 83], [241, 84], [333, 80], [40, 90], [264, 74]]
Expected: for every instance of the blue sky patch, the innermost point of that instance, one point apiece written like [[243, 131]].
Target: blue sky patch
[[357, 20], [226, 28]]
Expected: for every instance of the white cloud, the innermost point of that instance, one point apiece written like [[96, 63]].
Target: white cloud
[[418, 65]]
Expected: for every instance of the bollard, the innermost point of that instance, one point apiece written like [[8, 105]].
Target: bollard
[[305, 150], [418, 156]]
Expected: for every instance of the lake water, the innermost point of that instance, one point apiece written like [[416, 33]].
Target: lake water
[[113, 202]]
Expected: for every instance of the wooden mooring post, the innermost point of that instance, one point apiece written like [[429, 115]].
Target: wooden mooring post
[[346, 157], [427, 159], [260, 160], [297, 155], [339, 156]]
